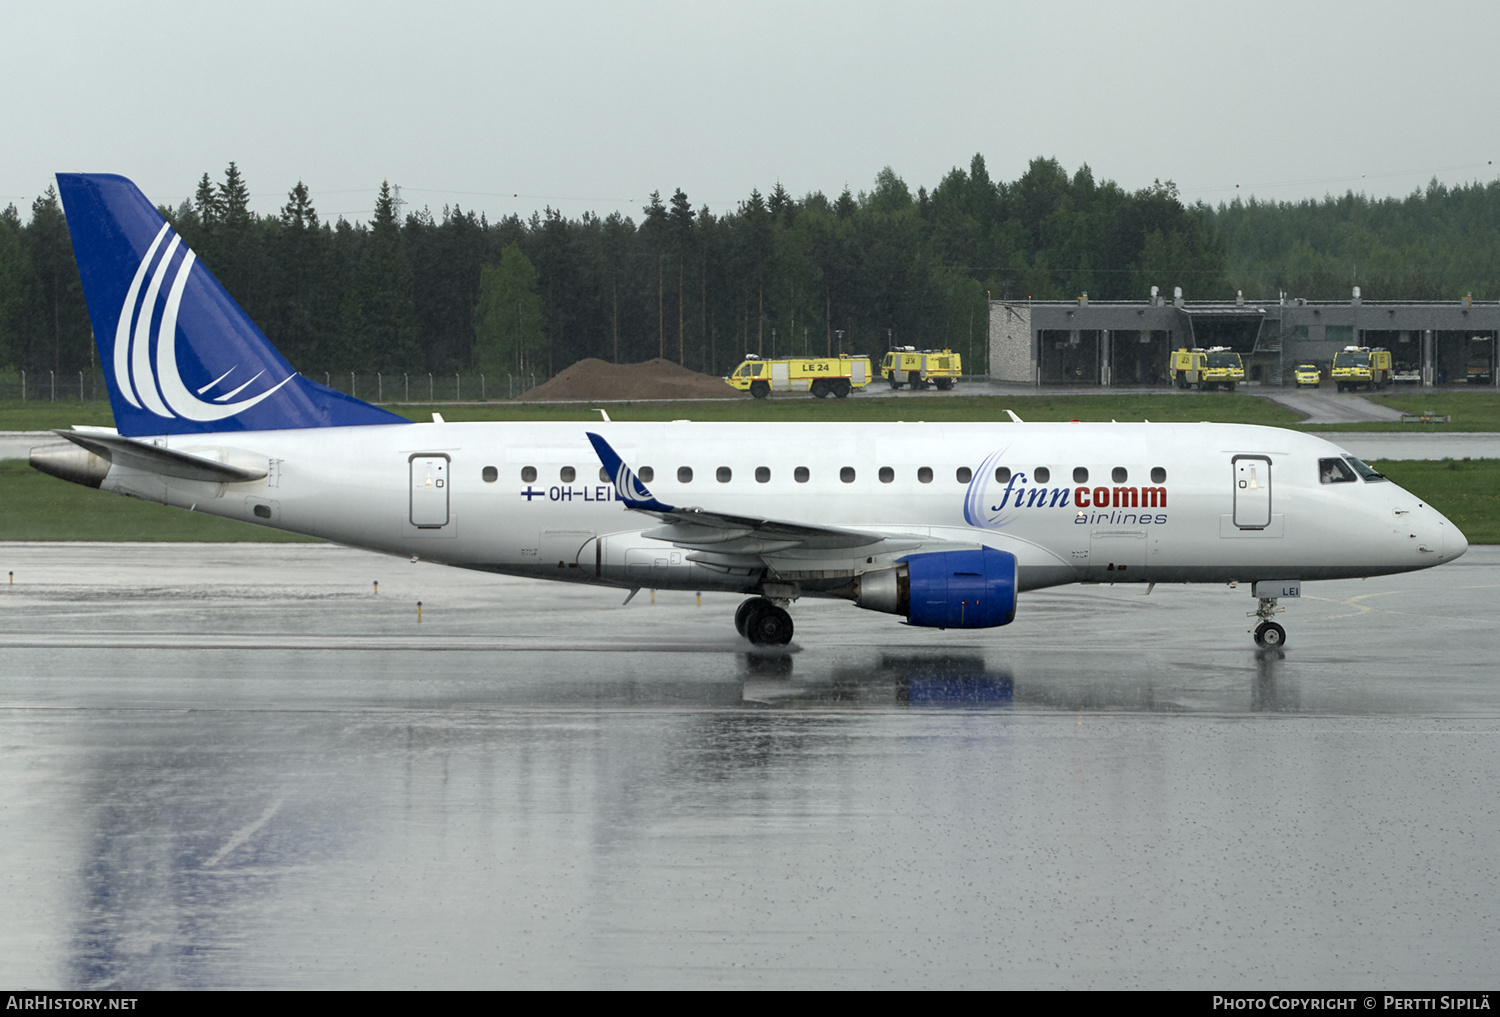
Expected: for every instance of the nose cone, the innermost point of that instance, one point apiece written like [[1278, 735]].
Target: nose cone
[[1454, 541]]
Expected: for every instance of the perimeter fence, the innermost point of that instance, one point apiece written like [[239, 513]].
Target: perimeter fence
[[371, 386]]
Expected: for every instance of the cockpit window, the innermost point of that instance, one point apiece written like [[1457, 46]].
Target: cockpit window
[[1364, 469], [1335, 471]]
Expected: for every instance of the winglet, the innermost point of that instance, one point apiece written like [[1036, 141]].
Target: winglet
[[628, 486]]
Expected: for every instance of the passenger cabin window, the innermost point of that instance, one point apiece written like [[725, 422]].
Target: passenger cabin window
[[800, 474], [887, 474], [724, 475], [964, 475], [1119, 475], [1080, 475], [646, 473], [684, 474], [847, 474], [1041, 474], [528, 474], [1002, 474], [490, 474], [1335, 471], [1158, 475], [762, 474], [567, 474], [925, 474]]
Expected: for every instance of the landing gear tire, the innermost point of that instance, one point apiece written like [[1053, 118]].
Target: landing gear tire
[[760, 389], [742, 615], [1270, 635], [766, 624]]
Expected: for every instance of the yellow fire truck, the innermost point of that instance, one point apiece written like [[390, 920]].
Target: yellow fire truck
[[1361, 367], [907, 365], [822, 376], [1215, 367]]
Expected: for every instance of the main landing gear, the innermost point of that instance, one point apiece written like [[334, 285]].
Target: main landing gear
[[763, 622], [1268, 633]]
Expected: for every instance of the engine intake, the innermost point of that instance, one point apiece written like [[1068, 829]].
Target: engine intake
[[945, 589]]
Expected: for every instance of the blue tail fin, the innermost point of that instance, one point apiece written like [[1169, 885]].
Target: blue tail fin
[[179, 355]]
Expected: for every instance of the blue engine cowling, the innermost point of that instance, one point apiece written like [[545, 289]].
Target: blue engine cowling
[[962, 589], [945, 589]]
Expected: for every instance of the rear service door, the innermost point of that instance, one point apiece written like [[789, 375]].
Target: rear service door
[[429, 491], [1252, 492], [781, 378], [857, 374]]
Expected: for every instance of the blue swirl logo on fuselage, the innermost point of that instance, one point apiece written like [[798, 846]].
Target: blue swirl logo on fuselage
[[991, 503], [989, 506]]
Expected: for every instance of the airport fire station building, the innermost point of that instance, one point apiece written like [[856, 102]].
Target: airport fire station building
[[1121, 343]]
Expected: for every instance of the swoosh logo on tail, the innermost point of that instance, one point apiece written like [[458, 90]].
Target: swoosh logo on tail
[[158, 386]]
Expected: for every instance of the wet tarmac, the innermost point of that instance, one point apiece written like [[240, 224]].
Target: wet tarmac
[[1372, 445], [1325, 406], [233, 765]]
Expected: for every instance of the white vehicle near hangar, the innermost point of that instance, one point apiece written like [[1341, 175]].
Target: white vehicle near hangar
[[944, 525]]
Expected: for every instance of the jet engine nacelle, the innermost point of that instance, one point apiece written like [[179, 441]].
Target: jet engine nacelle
[[945, 589]]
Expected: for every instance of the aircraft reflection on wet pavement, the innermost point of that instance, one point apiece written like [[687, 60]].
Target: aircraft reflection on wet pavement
[[939, 680]]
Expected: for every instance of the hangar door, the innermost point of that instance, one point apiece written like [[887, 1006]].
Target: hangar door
[[1252, 492]]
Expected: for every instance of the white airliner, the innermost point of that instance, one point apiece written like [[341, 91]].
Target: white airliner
[[942, 524]]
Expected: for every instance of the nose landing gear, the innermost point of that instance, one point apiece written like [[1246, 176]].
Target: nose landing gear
[[1268, 633], [763, 622]]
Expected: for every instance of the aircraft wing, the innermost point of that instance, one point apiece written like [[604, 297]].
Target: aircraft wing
[[735, 541]]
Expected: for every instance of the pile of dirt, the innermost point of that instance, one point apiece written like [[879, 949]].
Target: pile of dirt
[[598, 380]]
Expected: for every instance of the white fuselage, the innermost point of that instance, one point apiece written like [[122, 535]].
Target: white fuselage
[[1230, 502]]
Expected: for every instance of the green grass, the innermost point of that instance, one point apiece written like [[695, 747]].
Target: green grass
[[1240, 409], [1467, 411], [46, 416], [1470, 411], [34, 506], [1467, 491]]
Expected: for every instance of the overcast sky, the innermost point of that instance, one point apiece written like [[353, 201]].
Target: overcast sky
[[507, 108]]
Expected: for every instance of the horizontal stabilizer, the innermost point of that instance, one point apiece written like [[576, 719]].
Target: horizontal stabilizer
[[141, 455]]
